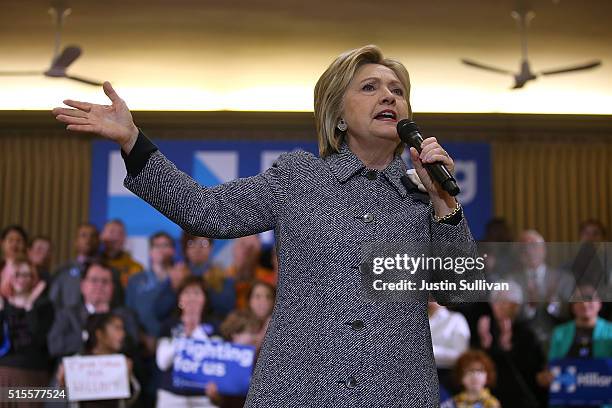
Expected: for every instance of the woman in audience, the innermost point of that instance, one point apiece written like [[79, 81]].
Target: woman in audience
[[508, 341], [25, 318], [261, 302], [587, 336], [221, 292], [13, 241], [39, 253], [105, 335], [190, 323], [240, 327], [473, 372]]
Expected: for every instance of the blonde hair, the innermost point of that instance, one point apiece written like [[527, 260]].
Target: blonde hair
[[331, 86]]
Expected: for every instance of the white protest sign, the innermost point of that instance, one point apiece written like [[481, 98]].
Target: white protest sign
[[96, 377]]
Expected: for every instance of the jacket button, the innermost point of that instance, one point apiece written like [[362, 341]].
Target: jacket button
[[367, 218], [350, 382], [357, 325], [371, 175]]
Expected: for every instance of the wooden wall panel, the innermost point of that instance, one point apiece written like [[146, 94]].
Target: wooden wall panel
[[552, 187], [44, 185]]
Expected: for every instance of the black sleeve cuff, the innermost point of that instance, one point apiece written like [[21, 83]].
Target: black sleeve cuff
[[455, 219], [138, 157]]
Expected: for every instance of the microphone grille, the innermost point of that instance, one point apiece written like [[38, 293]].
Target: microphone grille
[[406, 126]]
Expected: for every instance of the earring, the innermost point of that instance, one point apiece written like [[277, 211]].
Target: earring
[[342, 126]]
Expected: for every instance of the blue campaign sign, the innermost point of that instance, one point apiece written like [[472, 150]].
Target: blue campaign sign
[[581, 382], [198, 362], [214, 162]]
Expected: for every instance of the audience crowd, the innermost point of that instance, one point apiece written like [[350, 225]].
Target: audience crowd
[[102, 301]]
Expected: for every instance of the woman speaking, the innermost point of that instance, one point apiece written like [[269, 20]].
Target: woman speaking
[[326, 345]]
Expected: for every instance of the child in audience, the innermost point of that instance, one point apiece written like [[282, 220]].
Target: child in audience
[[105, 335], [474, 371], [240, 327]]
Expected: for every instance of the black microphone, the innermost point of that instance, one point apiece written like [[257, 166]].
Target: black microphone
[[409, 134]]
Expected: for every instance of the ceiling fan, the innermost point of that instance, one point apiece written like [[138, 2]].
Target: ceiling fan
[[61, 60], [523, 15]]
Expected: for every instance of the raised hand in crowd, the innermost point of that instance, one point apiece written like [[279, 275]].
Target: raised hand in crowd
[[484, 332], [505, 334]]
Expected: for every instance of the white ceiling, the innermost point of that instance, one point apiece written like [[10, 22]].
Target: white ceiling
[[267, 55]]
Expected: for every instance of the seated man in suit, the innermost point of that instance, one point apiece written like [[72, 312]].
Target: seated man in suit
[[66, 335], [546, 289]]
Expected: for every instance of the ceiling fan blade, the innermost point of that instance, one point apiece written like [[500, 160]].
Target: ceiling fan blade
[[486, 67], [62, 62], [84, 80], [581, 67], [20, 73]]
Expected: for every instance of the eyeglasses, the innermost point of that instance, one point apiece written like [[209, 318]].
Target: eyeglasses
[[162, 246], [99, 281], [198, 243]]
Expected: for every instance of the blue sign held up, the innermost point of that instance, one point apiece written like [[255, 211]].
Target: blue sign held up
[[199, 362], [581, 382]]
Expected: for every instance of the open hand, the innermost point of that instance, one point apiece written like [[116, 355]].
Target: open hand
[[484, 331], [112, 122]]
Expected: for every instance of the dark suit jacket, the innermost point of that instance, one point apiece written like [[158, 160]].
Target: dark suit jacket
[[66, 335]]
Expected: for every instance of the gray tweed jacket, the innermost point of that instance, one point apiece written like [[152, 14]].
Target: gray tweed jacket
[[326, 345]]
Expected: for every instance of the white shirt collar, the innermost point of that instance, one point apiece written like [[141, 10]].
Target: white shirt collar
[[91, 309]]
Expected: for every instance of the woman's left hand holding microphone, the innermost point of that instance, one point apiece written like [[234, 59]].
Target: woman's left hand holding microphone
[[432, 152]]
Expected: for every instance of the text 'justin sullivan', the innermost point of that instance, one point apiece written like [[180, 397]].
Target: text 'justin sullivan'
[[405, 284]]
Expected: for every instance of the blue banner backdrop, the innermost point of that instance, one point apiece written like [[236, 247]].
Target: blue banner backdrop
[[215, 162]]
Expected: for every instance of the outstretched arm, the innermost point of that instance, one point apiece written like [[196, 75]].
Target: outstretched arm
[[237, 208], [241, 207]]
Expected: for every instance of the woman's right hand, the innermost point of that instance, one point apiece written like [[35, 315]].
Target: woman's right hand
[[113, 121]]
